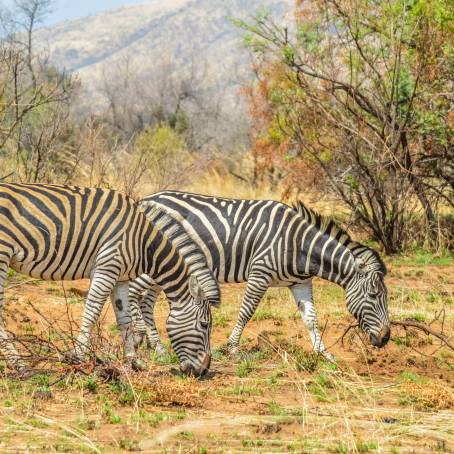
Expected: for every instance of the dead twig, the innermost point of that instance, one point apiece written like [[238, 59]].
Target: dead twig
[[410, 323], [20, 284], [350, 327]]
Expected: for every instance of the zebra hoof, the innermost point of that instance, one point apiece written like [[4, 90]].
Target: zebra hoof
[[137, 365], [234, 351], [138, 340], [329, 357], [73, 357], [160, 350]]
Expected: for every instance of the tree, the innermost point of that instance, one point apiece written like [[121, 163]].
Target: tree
[[27, 15], [34, 107], [160, 159], [355, 89]]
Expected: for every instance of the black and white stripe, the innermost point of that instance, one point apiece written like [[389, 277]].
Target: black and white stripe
[[268, 243], [64, 233]]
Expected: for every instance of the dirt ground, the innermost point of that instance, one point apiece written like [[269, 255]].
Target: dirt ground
[[278, 397]]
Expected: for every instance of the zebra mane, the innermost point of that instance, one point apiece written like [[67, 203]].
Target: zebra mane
[[370, 258], [324, 223], [185, 245]]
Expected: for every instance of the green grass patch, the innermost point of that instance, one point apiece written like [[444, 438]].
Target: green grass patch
[[305, 361], [129, 445], [407, 376], [91, 384], [244, 368], [220, 319], [125, 393], [421, 257], [244, 390], [187, 435], [275, 409], [266, 314], [247, 443], [170, 358], [152, 419]]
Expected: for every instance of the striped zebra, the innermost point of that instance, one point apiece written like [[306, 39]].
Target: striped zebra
[[64, 233], [270, 244]]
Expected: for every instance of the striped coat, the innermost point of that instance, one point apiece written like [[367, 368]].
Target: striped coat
[[63, 233], [267, 243]]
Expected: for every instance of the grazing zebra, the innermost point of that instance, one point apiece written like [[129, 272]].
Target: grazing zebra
[[63, 233], [270, 244]]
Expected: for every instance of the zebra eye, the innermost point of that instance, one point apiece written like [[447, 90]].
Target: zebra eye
[[204, 324]]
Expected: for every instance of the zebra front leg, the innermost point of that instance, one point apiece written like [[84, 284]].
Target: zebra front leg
[[147, 307], [120, 301], [101, 286], [255, 289], [143, 293], [304, 300], [7, 348]]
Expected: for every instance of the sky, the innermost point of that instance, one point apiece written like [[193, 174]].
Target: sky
[[73, 9]]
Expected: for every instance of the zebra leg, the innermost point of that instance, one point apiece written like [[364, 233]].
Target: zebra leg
[[137, 317], [6, 347], [120, 302], [304, 300], [119, 297], [255, 289], [147, 307], [102, 284]]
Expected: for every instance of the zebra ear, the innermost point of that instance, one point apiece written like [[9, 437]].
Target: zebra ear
[[196, 289], [360, 265]]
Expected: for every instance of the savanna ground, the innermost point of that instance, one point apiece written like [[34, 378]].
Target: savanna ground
[[277, 398]]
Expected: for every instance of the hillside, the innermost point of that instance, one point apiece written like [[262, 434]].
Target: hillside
[[157, 39]]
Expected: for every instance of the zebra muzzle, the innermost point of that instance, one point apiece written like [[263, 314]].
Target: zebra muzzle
[[382, 338], [187, 368]]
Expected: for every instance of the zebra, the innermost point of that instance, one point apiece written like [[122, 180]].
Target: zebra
[[56, 232], [270, 244]]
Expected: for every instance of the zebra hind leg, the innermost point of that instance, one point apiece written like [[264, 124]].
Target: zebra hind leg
[[7, 348], [139, 326], [147, 307], [255, 289], [119, 297], [304, 300]]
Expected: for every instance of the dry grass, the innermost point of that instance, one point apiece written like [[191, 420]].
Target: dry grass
[[277, 398], [226, 185], [428, 396]]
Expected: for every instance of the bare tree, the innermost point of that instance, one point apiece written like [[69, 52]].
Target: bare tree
[[28, 14], [347, 87], [35, 103]]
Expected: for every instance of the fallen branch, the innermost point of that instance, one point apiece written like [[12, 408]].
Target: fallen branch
[[20, 284], [409, 323]]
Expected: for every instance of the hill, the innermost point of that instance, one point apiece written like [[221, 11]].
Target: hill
[[176, 39]]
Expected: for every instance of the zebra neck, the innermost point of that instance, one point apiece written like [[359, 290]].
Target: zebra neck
[[327, 257], [173, 277]]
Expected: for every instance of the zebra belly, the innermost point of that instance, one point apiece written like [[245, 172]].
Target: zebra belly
[[53, 272]]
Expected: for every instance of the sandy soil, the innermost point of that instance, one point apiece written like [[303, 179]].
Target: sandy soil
[[276, 398]]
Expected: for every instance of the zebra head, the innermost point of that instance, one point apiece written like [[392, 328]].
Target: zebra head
[[191, 288], [189, 327], [367, 297]]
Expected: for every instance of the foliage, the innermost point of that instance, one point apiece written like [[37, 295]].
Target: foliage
[[360, 93], [46, 135], [34, 110], [160, 154]]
